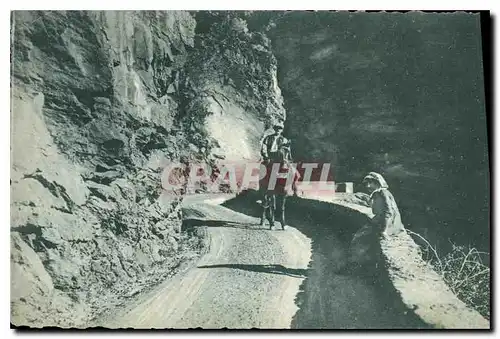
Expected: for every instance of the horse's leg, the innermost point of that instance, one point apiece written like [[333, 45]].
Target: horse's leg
[[282, 202], [264, 208], [270, 209]]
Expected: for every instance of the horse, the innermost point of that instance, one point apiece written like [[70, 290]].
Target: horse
[[274, 199]]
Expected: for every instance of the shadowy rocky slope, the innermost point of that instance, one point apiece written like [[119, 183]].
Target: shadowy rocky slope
[[397, 93]]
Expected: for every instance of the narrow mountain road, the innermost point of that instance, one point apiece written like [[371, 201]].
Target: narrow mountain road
[[255, 278], [249, 278]]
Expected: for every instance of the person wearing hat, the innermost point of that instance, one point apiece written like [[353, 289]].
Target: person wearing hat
[[365, 245], [272, 143], [274, 199], [387, 218]]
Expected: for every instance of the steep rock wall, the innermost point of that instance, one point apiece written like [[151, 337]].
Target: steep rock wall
[[235, 73], [101, 101]]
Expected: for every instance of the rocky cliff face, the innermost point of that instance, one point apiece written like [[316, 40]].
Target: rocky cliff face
[[235, 73], [101, 101]]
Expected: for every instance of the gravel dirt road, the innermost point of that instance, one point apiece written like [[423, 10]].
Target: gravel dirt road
[[255, 278], [249, 278]]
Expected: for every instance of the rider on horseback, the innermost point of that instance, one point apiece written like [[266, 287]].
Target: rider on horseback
[[272, 143], [276, 150]]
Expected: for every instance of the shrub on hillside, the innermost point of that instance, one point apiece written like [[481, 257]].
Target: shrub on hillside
[[464, 272]]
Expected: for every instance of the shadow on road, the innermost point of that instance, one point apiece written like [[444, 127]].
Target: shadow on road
[[191, 223], [330, 297], [274, 269]]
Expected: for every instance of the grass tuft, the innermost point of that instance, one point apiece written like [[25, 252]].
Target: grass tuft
[[463, 271]]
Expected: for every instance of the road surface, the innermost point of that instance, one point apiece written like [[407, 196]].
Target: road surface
[[249, 278], [255, 278]]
